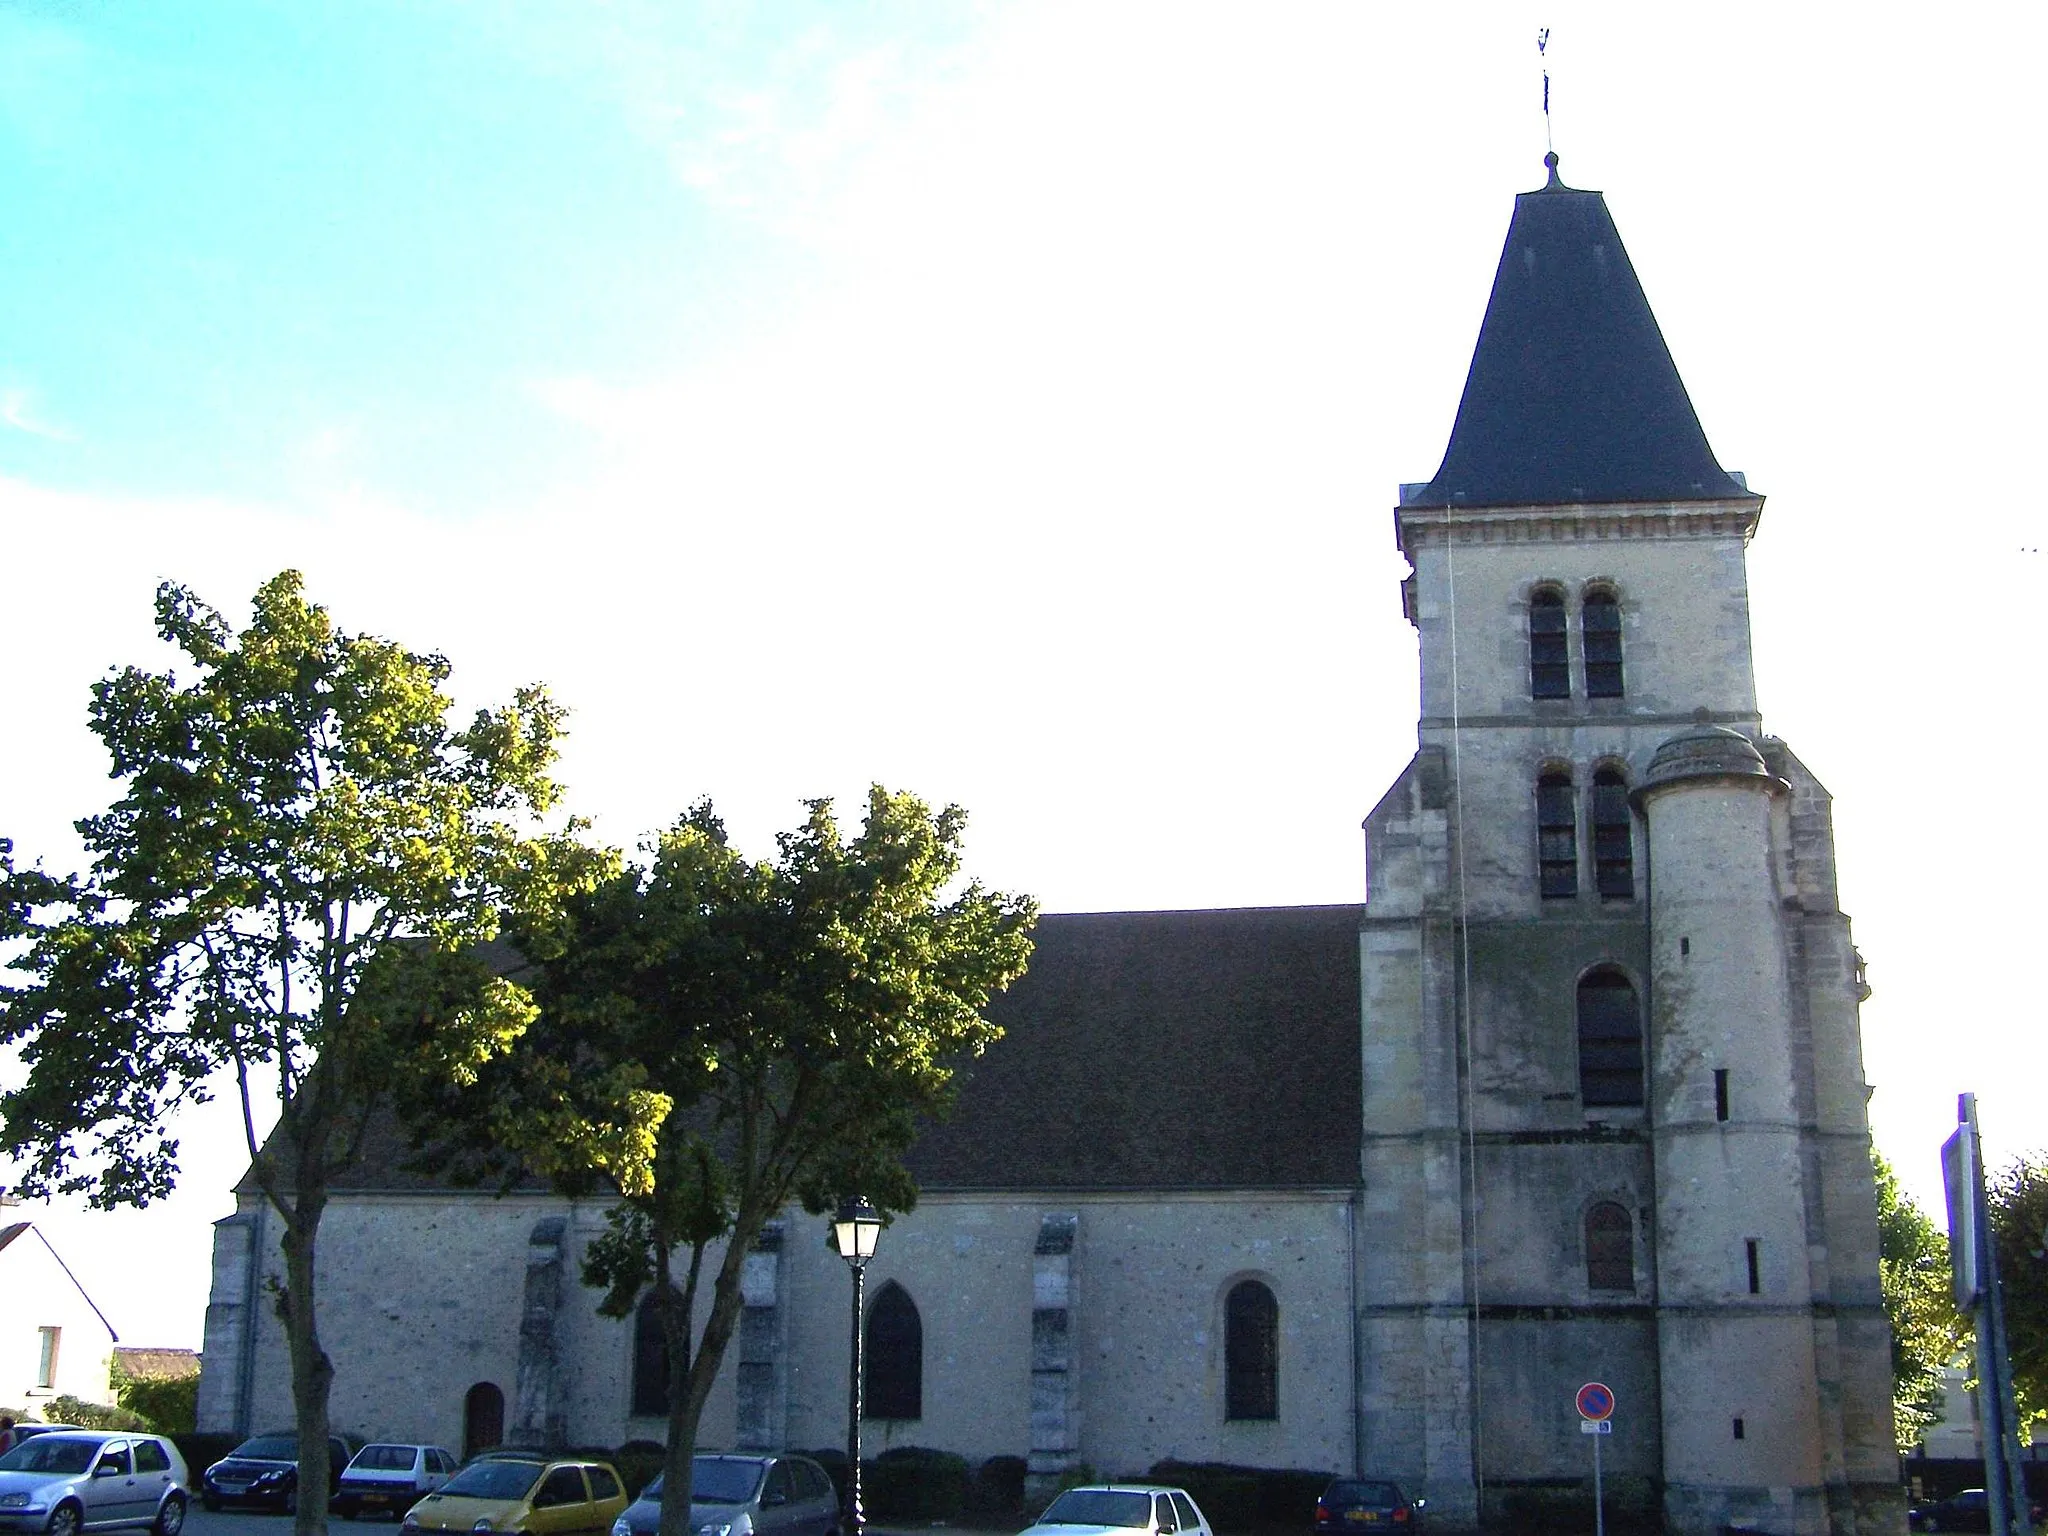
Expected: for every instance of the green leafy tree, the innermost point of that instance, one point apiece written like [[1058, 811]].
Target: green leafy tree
[[750, 1034], [1919, 1304], [2018, 1198], [297, 887]]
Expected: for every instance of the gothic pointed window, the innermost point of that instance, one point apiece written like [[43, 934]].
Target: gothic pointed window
[[893, 1378], [1550, 672], [1613, 861], [1610, 1248], [650, 1360], [1251, 1352], [1600, 629], [1610, 1041], [1557, 835]]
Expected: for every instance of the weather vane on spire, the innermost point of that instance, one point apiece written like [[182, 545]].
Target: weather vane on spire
[[1543, 55]]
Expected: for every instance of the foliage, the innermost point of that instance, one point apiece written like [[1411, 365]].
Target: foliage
[[719, 1037], [1913, 1273], [916, 1483], [65, 1409], [169, 1403], [2018, 1199], [296, 886]]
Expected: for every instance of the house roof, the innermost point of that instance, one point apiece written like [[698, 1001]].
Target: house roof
[[136, 1364], [1141, 1050], [1167, 1050], [1572, 396]]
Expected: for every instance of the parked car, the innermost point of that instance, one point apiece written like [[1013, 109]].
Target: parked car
[[386, 1479], [92, 1480], [1969, 1510], [1109, 1509], [536, 1494], [745, 1496], [1352, 1503], [264, 1470]]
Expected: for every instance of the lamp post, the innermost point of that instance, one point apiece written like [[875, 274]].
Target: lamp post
[[855, 1227]]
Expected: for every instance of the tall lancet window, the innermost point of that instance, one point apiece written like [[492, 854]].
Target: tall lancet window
[[1610, 1248], [1613, 860], [894, 1378], [1557, 835], [1600, 629], [1610, 1041], [1550, 670], [1251, 1352]]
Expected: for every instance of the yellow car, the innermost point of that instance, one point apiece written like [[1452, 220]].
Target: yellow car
[[536, 1495]]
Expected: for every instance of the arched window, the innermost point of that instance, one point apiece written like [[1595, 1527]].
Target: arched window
[[483, 1419], [1550, 670], [1557, 835], [650, 1360], [1610, 1041], [1600, 630], [1614, 875], [1251, 1352], [892, 1381], [1610, 1248]]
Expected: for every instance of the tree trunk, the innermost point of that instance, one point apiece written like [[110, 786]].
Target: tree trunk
[[688, 1394], [312, 1371]]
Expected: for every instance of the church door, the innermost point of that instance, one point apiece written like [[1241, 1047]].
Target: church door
[[483, 1419]]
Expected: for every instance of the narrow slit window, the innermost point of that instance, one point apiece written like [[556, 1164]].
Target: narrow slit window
[[1613, 848], [1600, 628], [46, 1357], [1610, 1042], [1557, 837], [1720, 1093], [1755, 1275], [650, 1359], [1610, 1248], [1550, 671]]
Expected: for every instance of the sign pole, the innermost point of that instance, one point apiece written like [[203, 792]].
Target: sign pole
[[1599, 1504], [1595, 1402]]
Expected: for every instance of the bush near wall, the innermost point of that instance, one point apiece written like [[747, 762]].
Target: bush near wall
[[997, 1487], [203, 1450], [637, 1462], [907, 1482], [168, 1404], [76, 1410], [1240, 1498]]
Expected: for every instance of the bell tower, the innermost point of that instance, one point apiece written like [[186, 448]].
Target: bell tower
[[1613, 1082]]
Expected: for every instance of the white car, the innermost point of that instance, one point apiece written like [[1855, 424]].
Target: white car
[[92, 1480], [387, 1479], [1118, 1509]]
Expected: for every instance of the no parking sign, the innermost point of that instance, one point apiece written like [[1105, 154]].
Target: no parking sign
[[1596, 1402]]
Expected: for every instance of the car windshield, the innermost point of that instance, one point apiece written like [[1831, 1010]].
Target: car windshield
[[50, 1453], [1099, 1506], [494, 1480], [269, 1448], [383, 1458], [1364, 1493], [715, 1480]]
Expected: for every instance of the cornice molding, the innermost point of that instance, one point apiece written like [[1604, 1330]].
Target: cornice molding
[[1433, 527]]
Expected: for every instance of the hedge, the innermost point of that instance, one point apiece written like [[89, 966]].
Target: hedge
[[1238, 1498]]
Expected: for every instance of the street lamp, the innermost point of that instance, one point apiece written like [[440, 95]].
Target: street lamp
[[855, 1227]]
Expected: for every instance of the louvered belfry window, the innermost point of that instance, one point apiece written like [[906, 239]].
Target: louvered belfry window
[[1557, 836], [1550, 671], [1613, 860], [1600, 628], [1251, 1352], [1610, 1041], [893, 1381]]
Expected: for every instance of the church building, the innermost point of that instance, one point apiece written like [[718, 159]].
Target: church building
[[1576, 1096]]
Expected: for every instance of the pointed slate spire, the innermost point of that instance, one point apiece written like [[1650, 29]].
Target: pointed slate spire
[[1572, 396]]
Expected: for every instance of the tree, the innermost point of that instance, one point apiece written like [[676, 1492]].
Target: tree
[[2018, 1199], [295, 886], [1913, 1273], [755, 1034]]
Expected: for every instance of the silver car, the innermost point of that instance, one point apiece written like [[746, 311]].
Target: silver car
[[745, 1496], [92, 1480], [1119, 1509]]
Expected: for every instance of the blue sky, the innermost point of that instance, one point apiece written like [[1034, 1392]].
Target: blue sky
[[1006, 402]]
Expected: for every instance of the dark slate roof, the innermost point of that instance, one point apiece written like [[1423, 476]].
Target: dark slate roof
[[1141, 1050], [1167, 1050], [1572, 396]]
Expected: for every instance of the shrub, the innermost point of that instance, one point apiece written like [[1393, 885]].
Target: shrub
[[637, 1462], [1239, 1498], [169, 1404], [911, 1482], [202, 1451], [997, 1487], [75, 1410]]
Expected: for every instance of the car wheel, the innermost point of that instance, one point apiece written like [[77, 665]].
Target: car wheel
[[64, 1520], [291, 1500], [171, 1518], [1930, 1524]]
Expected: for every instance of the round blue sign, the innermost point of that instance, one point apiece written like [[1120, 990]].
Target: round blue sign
[[1595, 1401]]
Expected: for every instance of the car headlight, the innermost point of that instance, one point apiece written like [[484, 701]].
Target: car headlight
[[20, 1501], [483, 1525], [619, 1526], [715, 1530]]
